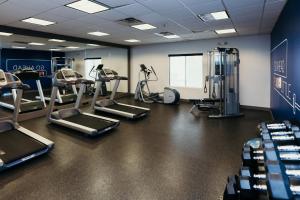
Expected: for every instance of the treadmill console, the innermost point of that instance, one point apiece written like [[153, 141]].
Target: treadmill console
[[109, 73], [3, 80], [69, 74]]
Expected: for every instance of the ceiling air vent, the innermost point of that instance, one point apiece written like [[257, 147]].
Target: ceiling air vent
[[164, 33], [130, 21]]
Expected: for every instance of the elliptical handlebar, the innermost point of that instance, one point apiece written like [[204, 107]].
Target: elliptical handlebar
[[147, 73]]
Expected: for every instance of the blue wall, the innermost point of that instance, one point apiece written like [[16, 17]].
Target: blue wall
[[13, 59], [285, 64]]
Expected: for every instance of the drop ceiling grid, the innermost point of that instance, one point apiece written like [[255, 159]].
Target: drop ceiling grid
[[167, 15]]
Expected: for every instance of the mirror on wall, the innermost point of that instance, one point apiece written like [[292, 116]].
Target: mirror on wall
[[19, 52], [111, 57]]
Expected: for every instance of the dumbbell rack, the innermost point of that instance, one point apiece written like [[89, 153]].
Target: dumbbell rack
[[271, 165]]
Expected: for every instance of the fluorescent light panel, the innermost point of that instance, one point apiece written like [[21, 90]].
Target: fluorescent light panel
[[18, 47], [72, 47], [132, 40], [219, 15], [87, 6], [5, 34], [225, 31], [213, 16], [36, 21], [93, 45], [56, 40], [36, 43], [54, 49], [144, 26], [98, 33], [171, 36]]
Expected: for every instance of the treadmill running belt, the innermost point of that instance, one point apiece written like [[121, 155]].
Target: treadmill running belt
[[15, 145], [128, 109], [91, 122]]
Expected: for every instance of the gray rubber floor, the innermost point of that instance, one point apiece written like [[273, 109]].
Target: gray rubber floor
[[168, 155]]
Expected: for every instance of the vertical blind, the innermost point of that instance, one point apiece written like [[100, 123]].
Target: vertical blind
[[186, 71]]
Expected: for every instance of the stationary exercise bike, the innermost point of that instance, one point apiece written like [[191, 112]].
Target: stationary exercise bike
[[143, 93]]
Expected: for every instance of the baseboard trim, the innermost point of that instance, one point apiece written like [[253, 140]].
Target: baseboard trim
[[255, 108]]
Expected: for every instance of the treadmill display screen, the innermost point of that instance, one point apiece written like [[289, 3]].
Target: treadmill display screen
[[2, 78], [69, 74]]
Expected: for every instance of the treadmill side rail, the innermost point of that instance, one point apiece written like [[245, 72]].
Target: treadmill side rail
[[21, 160], [116, 112], [78, 127], [138, 107], [101, 117], [39, 138]]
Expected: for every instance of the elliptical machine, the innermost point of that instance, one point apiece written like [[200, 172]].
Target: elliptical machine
[[143, 93], [94, 74]]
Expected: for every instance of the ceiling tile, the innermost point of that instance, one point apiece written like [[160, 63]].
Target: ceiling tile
[[134, 10], [40, 5], [116, 3], [66, 12], [9, 13], [234, 4], [111, 15]]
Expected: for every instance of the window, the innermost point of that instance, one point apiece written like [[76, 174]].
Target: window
[[89, 63], [186, 71]]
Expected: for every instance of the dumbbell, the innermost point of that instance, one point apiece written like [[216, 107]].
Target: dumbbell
[[281, 126], [255, 158], [273, 168], [286, 137], [276, 186], [231, 191]]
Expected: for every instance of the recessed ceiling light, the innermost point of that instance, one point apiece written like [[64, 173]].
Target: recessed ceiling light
[[56, 40], [144, 26], [98, 33], [36, 43], [93, 45], [5, 34], [224, 31], [132, 40], [87, 6], [18, 47], [36, 21], [219, 15], [72, 47], [171, 36], [214, 16], [54, 49]]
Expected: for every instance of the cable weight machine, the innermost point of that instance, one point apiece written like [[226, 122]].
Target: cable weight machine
[[222, 85]]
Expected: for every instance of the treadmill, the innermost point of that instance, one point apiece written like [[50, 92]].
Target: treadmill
[[26, 104], [74, 118], [110, 105], [17, 144], [62, 96], [66, 95]]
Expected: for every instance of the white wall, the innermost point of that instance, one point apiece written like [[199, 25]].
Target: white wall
[[113, 58], [254, 66]]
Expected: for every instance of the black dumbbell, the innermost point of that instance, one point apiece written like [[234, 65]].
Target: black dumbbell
[[273, 168], [287, 137], [275, 186], [256, 158], [280, 126], [282, 187], [231, 192]]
